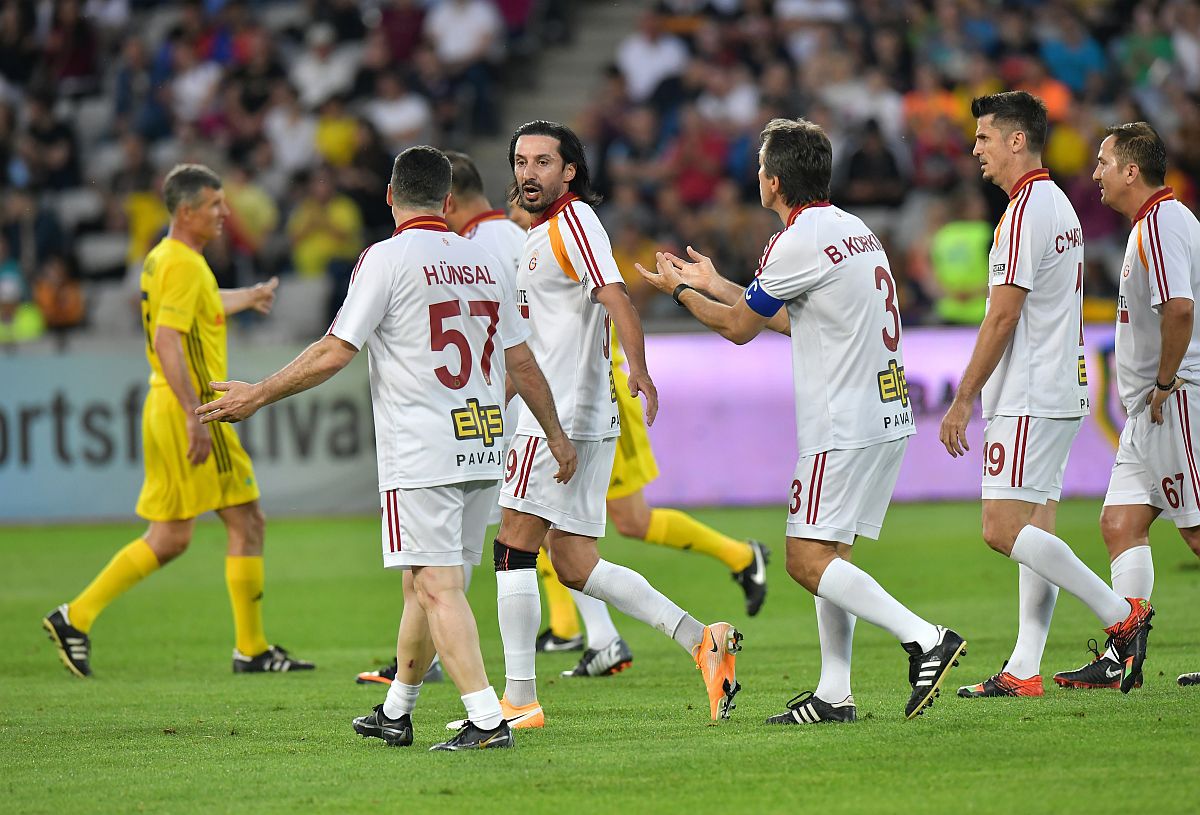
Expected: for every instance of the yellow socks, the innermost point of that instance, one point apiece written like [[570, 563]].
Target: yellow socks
[[244, 577], [563, 621], [131, 564], [670, 527]]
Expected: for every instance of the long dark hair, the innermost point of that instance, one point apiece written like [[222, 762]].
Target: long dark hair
[[570, 148]]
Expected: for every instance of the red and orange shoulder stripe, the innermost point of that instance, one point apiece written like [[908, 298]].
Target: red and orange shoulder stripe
[[1146, 224], [559, 214]]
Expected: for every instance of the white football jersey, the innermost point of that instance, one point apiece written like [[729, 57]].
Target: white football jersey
[[435, 315], [496, 233], [1038, 246], [567, 258], [1162, 260], [505, 241], [847, 353]]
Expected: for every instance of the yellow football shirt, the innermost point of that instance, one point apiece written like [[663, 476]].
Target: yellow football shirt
[[179, 291]]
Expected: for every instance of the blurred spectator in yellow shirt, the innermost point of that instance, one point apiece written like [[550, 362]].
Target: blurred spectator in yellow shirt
[[325, 227]]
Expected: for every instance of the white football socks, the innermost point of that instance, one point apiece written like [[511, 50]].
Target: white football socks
[[835, 627], [519, 612], [1133, 573], [483, 708], [851, 589], [597, 622], [1035, 610], [1051, 558], [401, 699], [629, 592]]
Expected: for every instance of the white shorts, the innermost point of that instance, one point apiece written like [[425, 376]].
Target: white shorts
[[578, 505], [435, 526], [1156, 463], [840, 494], [1024, 457]]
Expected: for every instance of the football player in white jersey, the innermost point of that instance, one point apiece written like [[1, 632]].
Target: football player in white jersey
[[431, 311], [1158, 373], [1028, 362], [471, 215], [569, 288], [826, 282]]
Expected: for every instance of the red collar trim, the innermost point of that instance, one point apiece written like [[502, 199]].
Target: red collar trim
[[795, 213], [1165, 194], [558, 206], [1040, 174], [433, 223], [490, 215]]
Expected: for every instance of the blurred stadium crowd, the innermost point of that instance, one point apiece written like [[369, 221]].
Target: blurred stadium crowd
[[302, 104]]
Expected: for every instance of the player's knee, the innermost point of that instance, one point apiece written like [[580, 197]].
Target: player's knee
[[998, 533], [508, 559], [1118, 531], [169, 546], [1192, 538], [803, 570]]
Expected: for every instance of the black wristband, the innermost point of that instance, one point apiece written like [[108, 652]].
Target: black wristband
[[680, 289], [1157, 384]]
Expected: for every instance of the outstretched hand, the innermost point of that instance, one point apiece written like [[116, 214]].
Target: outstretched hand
[[239, 402], [262, 295]]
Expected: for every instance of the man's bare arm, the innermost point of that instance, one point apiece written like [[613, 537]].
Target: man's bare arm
[[315, 364], [527, 379], [1004, 312], [615, 299], [168, 347], [259, 297]]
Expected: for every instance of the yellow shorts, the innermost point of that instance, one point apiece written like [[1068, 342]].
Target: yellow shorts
[[175, 490], [633, 466]]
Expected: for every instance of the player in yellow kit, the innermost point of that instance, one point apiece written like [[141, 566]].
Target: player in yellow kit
[[191, 468]]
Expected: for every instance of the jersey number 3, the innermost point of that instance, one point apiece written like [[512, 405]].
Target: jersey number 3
[[884, 282], [441, 337]]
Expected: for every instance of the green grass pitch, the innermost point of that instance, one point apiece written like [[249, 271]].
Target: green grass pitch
[[164, 724]]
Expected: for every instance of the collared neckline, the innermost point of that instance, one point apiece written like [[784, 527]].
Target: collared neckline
[[1040, 174], [1165, 194], [558, 206], [490, 215], [795, 213], [434, 223]]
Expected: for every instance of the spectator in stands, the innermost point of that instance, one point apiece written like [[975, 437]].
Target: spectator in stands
[[401, 115], [195, 82], [635, 157], [69, 59], [291, 130], [694, 162], [343, 16], [468, 38], [31, 231], [649, 56], [141, 105], [871, 177], [18, 45], [336, 133], [20, 321], [375, 61], [257, 70], [325, 228], [1146, 46], [959, 260], [323, 69], [253, 218], [48, 148], [1071, 54], [369, 172], [401, 22], [58, 295], [140, 209]]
